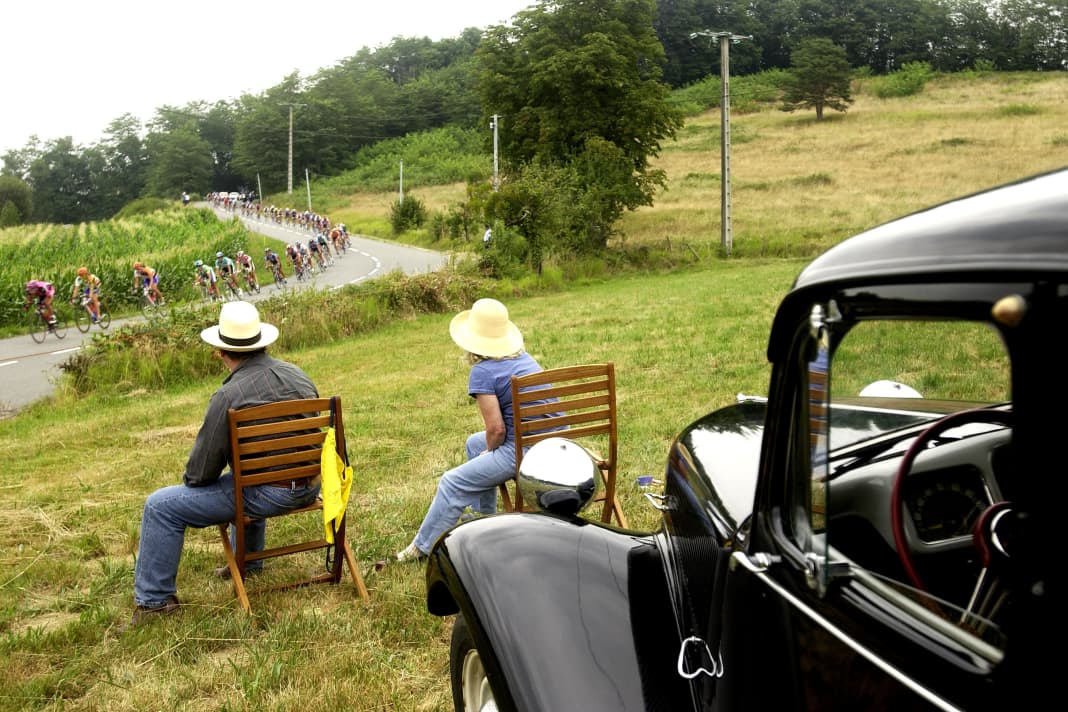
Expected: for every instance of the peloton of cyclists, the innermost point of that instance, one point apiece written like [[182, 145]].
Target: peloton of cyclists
[[87, 286], [205, 275], [144, 276], [248, 267], [42, 292]]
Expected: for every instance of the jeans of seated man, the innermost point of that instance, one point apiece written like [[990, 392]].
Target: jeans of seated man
[[169, 511]]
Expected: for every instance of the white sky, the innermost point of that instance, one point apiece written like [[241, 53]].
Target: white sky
[[70, 67]]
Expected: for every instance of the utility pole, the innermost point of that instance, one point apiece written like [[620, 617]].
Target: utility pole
[[496, 180], [725, 40], [289, 184]]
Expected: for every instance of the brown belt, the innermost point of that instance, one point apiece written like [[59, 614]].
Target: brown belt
[[296, 484]]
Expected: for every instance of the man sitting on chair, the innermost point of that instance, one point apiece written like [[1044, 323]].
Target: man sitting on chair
[[206, 496]]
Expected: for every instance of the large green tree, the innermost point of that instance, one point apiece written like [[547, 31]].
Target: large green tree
[[819, 78], [579, 83], [181, 161]]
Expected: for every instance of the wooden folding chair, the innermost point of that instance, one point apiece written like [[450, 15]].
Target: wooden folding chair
[[586, 403], [282, 442]]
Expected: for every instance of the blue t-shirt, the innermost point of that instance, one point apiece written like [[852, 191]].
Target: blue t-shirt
[[494, 376]]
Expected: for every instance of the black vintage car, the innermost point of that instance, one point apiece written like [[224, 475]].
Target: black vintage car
[[878, 532]]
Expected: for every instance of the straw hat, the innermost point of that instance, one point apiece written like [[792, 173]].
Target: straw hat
[[484, 329], [240, 329]]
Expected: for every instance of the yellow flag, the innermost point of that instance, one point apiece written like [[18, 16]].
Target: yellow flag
[[337, 481]]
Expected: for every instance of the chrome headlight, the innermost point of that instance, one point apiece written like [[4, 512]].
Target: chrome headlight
[[558, 475]]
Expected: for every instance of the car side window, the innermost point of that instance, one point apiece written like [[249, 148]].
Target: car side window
[[876, 496]]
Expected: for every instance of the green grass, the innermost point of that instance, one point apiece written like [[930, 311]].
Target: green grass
[[74, 485]]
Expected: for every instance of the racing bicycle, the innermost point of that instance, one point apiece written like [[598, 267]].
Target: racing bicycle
[[151, 306], [84, 318], [39, 326]]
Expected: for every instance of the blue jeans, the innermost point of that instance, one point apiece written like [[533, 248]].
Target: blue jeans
[[170, 510], [472, 484]]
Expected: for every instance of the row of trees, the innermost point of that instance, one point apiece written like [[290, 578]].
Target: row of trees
[[580, 86]]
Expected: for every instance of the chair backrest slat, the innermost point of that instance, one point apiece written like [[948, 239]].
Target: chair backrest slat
[[584, 403]]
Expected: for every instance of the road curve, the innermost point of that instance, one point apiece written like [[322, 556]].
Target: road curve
[[29, 370]]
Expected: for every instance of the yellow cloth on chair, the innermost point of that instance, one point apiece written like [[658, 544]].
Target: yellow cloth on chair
[[336, 484]]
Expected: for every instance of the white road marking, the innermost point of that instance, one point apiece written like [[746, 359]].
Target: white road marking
[[8, 363]]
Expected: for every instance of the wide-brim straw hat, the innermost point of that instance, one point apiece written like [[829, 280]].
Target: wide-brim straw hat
[[240, 329], [485, 330]]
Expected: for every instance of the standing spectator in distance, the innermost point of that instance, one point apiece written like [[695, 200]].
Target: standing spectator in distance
[[206, 496], [486, 237], [185, 198]]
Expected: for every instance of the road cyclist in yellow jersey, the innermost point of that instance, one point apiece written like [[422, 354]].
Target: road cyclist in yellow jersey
[[86, 298]]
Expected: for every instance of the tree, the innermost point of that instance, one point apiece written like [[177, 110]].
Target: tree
[[16, 201], [572, 77], [180, 161], [819, 78]]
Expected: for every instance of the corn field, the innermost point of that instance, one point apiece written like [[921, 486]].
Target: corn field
[[168, 241]]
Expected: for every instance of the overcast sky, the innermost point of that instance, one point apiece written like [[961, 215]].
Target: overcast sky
[[71, 67]]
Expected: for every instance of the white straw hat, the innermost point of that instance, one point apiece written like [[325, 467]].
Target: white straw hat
[[240, 329], [484, 329]]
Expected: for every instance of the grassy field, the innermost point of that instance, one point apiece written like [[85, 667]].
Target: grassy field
[[684, 342]]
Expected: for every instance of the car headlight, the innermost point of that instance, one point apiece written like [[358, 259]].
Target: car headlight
[[558, 475]]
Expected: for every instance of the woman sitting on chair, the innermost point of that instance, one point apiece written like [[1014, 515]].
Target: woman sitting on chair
[[494, 347]]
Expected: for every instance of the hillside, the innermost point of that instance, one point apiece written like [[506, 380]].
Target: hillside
[[799, 186]]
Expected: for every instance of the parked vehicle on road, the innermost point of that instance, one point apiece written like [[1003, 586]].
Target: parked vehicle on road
[[877, 531]]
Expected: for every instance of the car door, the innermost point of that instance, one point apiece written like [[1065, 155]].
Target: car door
[[829, 615]]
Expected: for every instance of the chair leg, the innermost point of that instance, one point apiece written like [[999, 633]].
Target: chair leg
[[235, 572], [354, 571]]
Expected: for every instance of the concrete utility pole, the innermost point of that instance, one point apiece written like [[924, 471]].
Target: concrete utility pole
[[289, 184], [496, 180], [725, 39]]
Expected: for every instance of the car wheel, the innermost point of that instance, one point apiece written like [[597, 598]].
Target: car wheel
[[471, 691]]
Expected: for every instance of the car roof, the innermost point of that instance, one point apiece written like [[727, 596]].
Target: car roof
[[1022, 226]]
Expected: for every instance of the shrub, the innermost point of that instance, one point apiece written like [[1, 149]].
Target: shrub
[[907, 81], [408, 214]]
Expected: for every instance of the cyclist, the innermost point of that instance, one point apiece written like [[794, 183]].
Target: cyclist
[[315, 253], [87, 285], [227, 271], [206, 275], [41, 292], [324, 245], [249, 268], [293, 255], [146, 277], [272, 262]]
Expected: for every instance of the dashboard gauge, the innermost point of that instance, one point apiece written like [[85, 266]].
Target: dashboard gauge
[[945, 505]]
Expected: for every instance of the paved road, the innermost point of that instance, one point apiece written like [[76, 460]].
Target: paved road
[[28, 370]]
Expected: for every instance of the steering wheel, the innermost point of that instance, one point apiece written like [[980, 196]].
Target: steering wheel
[[897, 519]]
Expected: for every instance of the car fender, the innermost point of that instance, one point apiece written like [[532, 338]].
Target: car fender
[[551, 597]]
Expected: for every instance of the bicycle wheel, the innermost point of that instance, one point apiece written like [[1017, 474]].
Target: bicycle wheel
[[104, 316], [37, 326], [60, 327], [149, 307], [82, 320]]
